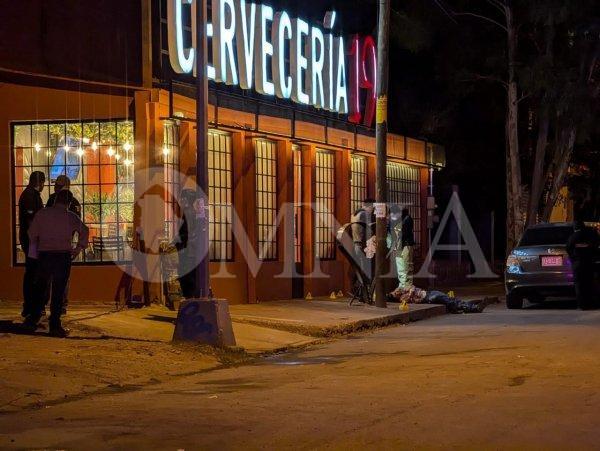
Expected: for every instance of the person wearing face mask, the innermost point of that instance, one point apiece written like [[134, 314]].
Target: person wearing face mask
[[30, 203]]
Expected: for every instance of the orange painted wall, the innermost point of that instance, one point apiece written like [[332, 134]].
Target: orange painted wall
[[19, 104]]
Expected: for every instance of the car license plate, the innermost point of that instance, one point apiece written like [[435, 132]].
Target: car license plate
[[553, 260]]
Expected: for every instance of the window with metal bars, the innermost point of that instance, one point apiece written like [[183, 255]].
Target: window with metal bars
[[358, 182], [266, 198], [325, 205], [404, 189], [297, 156], [98, 157], [220, 195], [170, 153]]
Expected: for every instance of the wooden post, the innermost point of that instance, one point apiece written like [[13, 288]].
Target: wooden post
[[381, 137]]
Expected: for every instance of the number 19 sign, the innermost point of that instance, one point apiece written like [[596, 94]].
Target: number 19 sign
[[248, 39]]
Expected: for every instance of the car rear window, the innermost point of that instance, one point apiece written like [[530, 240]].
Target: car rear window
[[546, 236]]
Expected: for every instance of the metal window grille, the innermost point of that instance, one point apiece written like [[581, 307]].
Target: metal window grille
[[358, 182], [297, 156], [404, 189], [325, 205], [172, 182], [98, 157], [220, 195], [266, 198]]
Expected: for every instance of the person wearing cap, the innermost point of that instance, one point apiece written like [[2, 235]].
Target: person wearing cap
[[61, 183], [51, 236], [30, 202]]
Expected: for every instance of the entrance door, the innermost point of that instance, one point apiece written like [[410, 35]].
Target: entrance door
[[298, 282]]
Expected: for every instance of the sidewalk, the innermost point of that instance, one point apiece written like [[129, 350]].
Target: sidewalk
[[260, 328]]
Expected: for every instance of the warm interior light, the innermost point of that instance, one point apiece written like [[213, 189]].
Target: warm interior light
[[37, 147], [66, 148], [110, 151], [117, 157], [94, 145], [127, 147], [86, 140], [127, 162], [80, 151], [165, 151]]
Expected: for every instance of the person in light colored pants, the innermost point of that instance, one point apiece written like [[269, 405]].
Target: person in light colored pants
[[404, 265]]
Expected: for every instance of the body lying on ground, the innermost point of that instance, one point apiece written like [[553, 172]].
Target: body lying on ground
[[414, 295]]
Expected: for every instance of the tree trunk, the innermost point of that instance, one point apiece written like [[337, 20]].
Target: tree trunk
[[512, 136], [561, 169], [537, 182]]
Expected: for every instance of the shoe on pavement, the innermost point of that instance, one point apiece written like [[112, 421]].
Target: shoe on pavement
[[58, 332], [29, 325]]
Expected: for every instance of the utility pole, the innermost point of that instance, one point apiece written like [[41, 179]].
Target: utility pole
[[383, 38], [202, 272]]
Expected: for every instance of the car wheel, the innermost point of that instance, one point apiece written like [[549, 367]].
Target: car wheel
[[514, 301]]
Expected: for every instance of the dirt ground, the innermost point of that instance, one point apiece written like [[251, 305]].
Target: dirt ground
[[500, 380]]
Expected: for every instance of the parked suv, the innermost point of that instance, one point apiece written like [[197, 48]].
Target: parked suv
[[539, 266]]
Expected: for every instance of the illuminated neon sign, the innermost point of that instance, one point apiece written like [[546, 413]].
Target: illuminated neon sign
[[250, 43]]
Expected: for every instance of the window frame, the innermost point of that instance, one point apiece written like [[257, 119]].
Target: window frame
[[360, 185], [331, 200], [213, 133], [274, 256], [13, 186]]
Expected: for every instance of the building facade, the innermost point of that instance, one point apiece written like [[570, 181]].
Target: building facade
[[114, 116]]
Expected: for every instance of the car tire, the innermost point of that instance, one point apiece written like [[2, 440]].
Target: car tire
[[514, 301]]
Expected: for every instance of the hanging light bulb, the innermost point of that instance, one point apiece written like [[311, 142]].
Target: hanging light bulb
[[37, 147], [86, 140], [117, 157], [66, 147], [94, 146], [127, 162], [110, 151], [165, 151], [48, 153], [126, 147], [80, 151]]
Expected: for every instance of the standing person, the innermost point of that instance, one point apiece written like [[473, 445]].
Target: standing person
[[186, 245], [394, 241], [51, 235], [63, 183], [582, 248], [361, 232], [405, 263], [30, 202]]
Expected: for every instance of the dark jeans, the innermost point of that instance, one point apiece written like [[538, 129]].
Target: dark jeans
[[584, 284], [187, 277], [54, 269], [29, 286], [362, 260]]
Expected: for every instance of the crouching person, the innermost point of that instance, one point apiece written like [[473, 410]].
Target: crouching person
[[414, 295], [51, 237]]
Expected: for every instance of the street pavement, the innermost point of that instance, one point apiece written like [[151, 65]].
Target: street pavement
[[502, 379]]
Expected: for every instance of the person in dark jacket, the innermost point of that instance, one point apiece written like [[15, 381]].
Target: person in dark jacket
[[63, 183], [186, 245], [30, 202], [582, 248]]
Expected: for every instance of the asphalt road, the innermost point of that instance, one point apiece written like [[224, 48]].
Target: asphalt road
[[503, 379]]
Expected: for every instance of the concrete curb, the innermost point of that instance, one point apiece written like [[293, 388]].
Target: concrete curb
[[349, 327]]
